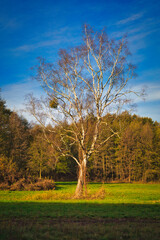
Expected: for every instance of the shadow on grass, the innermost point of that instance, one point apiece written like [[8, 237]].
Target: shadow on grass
[[63, 185], [78, 210], [59, 187], [79, 229], [78, 220]]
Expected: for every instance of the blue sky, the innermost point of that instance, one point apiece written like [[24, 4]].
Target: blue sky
[[29, 29]]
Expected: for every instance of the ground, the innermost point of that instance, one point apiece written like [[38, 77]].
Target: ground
[[111, 211]]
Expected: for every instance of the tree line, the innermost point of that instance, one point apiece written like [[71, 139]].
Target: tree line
[[27, 152]]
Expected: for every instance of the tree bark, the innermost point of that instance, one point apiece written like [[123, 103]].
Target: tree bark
[[81, 179]]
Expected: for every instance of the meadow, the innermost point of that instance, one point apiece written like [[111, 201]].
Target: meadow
[[108, 211]]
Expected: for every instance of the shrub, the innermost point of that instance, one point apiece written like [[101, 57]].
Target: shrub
[[100, 194], [41, 184], [28, 185], [19, 185], [4, 186]]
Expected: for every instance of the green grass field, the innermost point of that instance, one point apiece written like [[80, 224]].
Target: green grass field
[[110, 211]]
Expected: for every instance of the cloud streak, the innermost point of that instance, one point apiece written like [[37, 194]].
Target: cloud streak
[[132, 18], [15, 93], [43, 44], [32, 47], [152, 92], [61, 36], [7, 23]]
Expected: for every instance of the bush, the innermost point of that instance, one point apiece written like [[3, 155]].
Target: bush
[[100, 194], [19, 185], [28, 185], [41, 184], [4, 186]]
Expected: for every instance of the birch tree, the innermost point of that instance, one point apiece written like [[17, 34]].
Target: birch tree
[[87, 80]]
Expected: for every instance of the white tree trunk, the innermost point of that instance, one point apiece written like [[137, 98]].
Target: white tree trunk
[[81, 179]]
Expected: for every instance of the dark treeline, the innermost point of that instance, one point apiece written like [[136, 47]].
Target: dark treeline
[[133, 154]]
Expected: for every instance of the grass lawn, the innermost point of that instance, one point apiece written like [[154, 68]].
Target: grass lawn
[[122, 211]]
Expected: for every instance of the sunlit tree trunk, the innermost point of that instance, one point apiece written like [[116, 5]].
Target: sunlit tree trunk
[[81, 185]]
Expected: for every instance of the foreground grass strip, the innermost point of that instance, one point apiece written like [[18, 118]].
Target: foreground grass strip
[[84, 228]]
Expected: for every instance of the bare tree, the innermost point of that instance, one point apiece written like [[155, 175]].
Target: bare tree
[[87, 80]]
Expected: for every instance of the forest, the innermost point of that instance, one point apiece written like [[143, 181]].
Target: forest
[[27, 152]]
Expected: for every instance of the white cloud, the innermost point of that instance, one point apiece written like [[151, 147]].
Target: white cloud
[[31, 47], [130, 19], [14, 94], [152, 92], [61, 36], [140, 34]]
